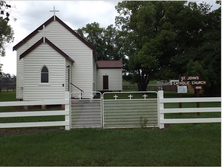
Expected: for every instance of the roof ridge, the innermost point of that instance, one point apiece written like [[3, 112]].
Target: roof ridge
[[35, 45], [48, 22], [33, 33], [58, 49], [50, 44]]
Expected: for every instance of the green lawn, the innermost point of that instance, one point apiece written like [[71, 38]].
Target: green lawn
[[175, 145], [193, 145], [7, 96], [127, 86], [151, 83]]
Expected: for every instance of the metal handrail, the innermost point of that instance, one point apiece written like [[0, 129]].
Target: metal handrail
[[76, 87]]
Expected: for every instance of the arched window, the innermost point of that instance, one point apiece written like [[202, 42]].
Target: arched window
[[44, 75]]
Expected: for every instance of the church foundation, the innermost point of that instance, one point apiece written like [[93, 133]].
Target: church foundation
[[43, 107]]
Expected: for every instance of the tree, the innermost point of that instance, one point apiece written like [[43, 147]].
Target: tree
[[105, 40], [0, 71], [149, 37], [190, 31], [112, 41], [6, 31], [94, 35], [165, 39], [207, 59], [4, 6], [199, 46]]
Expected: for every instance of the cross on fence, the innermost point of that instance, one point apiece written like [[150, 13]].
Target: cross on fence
[[115, 97], [144, 96], [130, 96]]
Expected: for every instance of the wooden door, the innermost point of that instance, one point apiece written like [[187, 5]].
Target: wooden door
[[105, 82]]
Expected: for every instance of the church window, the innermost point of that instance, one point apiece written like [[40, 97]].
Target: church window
[[44, 75]]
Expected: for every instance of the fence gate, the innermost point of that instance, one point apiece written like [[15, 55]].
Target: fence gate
[[86, 112], [130, 109]]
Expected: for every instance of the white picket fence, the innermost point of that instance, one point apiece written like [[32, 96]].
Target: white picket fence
[[65, 112], [163, 110], [68, 112]]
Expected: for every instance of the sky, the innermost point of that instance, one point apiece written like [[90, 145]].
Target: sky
[[31, 14]]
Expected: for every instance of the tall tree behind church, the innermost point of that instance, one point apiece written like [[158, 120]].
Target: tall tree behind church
[[161, 38], [105, 40], [206, 56], [148, 28]]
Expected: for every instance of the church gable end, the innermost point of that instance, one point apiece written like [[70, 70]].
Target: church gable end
[[50, 44], [45, 74], [47, 23]]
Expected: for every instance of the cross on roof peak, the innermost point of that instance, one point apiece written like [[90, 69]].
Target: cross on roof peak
[[54, 11]]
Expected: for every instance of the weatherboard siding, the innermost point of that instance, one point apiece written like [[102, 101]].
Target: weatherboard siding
[[20, 77], [94, 74], [82, 72], [33, 63], [82, 69], [82, 55], [115, 79]]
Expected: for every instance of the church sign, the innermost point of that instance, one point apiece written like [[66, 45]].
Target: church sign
[[182, 83], [190, 78], [198, 87], [198, 82], [186, 83], [181, 89]]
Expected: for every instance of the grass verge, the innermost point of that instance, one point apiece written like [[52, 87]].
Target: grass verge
[[7, 96], [176, 145], [192, 145]]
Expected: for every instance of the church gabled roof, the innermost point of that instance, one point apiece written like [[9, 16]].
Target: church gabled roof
[[48, 22], [50, 44]]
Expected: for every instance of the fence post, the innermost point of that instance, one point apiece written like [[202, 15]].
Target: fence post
[[68, 108], [102, 108], [160, 106]]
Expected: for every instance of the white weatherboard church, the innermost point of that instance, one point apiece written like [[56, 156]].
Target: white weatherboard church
[[54, 59]]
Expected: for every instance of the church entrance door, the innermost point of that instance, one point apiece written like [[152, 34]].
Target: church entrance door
[[105, 82]]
